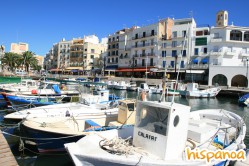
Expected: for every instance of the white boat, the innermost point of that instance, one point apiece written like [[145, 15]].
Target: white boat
[[26, 85], [192, 91], [132, 86], [144, 88], [158, 89], [111, 84], [164, 134], [122, 85], [70, 129], [98, 100]]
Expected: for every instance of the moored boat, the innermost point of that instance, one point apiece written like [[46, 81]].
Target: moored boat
[[164, 133], [192, 91], [50, 134]]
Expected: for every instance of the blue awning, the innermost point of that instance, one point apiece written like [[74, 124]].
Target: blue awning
[[204, 60], [195, 60]]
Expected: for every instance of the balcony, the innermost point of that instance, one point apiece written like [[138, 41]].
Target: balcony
[[213, 40], [244, 53], [197, 66], [231, 52], [147, 35], [216, 52]]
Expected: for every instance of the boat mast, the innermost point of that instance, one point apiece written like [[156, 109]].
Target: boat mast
[[179, 67]]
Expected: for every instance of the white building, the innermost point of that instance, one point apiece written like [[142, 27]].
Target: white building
[[229, 53]]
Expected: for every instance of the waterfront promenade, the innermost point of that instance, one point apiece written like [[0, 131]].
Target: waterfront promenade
[[6, 156]]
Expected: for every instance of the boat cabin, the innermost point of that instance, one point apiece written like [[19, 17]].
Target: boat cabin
[[161, 128], [192, 87], [126, 113], [97, 96], [29, 83]]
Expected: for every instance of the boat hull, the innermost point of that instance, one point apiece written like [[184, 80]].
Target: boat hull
[[47, 141]]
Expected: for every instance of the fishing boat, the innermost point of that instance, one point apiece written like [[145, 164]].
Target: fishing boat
[[22, 101], [50, 134], [98, 99], [23, 86], [144, 87], [158, 89], [163, 134], [122, 85], [192, 91], [132, 86]]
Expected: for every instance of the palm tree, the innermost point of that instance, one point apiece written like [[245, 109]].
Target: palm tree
[[9, 59], [28, 60]]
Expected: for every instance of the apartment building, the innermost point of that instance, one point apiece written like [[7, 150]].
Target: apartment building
[[19, 48], [76, 55], [229, 53]]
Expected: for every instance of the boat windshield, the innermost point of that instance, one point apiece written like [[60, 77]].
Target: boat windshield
[[153, 119], [131, 106]]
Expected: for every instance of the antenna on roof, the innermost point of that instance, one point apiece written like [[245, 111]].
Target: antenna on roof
[[191, 14]]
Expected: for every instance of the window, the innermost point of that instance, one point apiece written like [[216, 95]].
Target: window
[[143, 43], [246, 36], [135, 62], [143, 62], [113, 46], [174, 43], [164, 45], [174, 34], [182, 64], [152, 51], [136, 36], [92, 56], [184, 33], [201, 41], [117, 52], [113, 39], [109, 46], [172, 63], [164, 63], [92, 50], [144, 34], [206, 32], [199, 33], [174, 53], [152, 32], [117, 38], [205, 50], [184, 53], [236, 35], [85, 49], [117, 60], [135, 44], [163, 53], [143, 52], [196, 51], [151, 62]]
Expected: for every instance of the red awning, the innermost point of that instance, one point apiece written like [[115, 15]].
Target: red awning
[[132, 70]]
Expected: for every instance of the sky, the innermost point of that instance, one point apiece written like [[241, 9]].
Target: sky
[[41, 23]]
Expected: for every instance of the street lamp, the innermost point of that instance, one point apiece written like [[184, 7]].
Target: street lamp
[[246, 59]]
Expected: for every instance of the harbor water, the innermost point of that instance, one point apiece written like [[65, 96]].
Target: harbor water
[[31, 157]]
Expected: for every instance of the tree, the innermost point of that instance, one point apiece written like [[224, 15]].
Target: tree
[[28, 60], [9, 59]]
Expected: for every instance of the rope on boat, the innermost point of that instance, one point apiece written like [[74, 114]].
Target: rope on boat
[[120, 146]]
